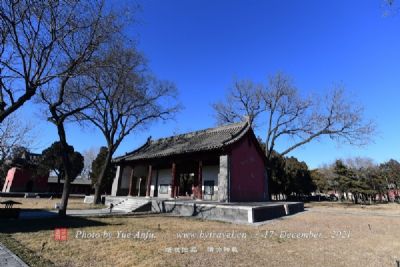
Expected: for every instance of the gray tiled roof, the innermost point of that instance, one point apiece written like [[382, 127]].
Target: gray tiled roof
[[78, 180], [204, 140]]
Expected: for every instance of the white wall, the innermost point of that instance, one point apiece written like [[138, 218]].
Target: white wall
[[125, 178], [210, 173], [164, 177]]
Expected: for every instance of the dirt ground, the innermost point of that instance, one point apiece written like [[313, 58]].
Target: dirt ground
[[323, 235], [49, 204]]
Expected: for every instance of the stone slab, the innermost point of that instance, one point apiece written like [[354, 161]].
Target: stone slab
[[9, 259]]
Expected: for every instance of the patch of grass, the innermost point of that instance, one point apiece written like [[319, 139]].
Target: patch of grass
[[49, 204], [364, 239], [30, 257], [386, 207]]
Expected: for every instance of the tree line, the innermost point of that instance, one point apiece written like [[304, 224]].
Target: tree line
[[359, 180], [290, 178]]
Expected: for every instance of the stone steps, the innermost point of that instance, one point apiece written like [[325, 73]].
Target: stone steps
[[130, 204]]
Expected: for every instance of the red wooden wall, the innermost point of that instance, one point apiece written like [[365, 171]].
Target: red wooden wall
[[247, 175], [19, 178]]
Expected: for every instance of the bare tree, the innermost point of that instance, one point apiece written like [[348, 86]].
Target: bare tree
[[15, 133], [280, 108], [129, 99], [284, 112], [91, 26], [244, 98], [32, 36], [360, 163], [390, 7], [89, 156]]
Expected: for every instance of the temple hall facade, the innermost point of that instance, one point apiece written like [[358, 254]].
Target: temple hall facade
[[224, 164]]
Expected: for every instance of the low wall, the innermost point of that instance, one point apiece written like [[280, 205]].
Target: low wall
[[273, 211], [203, 211], [268, 213], [295, 208], [229, 213]]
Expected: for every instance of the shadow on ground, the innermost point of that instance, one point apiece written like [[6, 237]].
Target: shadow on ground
[[10, 226]]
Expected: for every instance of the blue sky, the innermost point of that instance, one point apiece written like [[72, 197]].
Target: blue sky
[[202, 46]]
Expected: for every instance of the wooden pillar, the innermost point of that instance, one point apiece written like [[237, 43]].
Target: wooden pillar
[[149, 176], [140, 186], [173, 180], [200, 179], [131, 182], [155, 194]]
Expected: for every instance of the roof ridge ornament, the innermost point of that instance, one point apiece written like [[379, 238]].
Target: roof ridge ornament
[[247, 119]]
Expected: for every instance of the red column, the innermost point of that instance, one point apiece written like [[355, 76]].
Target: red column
[[131, 182], [173, 182], [149, 176], [200, 179]]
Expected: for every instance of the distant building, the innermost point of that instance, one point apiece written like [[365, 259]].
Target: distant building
[[78, 186], [21, 177], [223, 164]]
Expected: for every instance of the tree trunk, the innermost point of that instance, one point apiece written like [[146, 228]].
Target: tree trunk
[[59, 190], [67, 169], [97, 186], [268, 178]]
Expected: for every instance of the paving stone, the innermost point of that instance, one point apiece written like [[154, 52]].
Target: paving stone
[[9, 259]]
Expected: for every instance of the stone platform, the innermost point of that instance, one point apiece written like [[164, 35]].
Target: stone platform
[[240, 212], [236, 212]]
